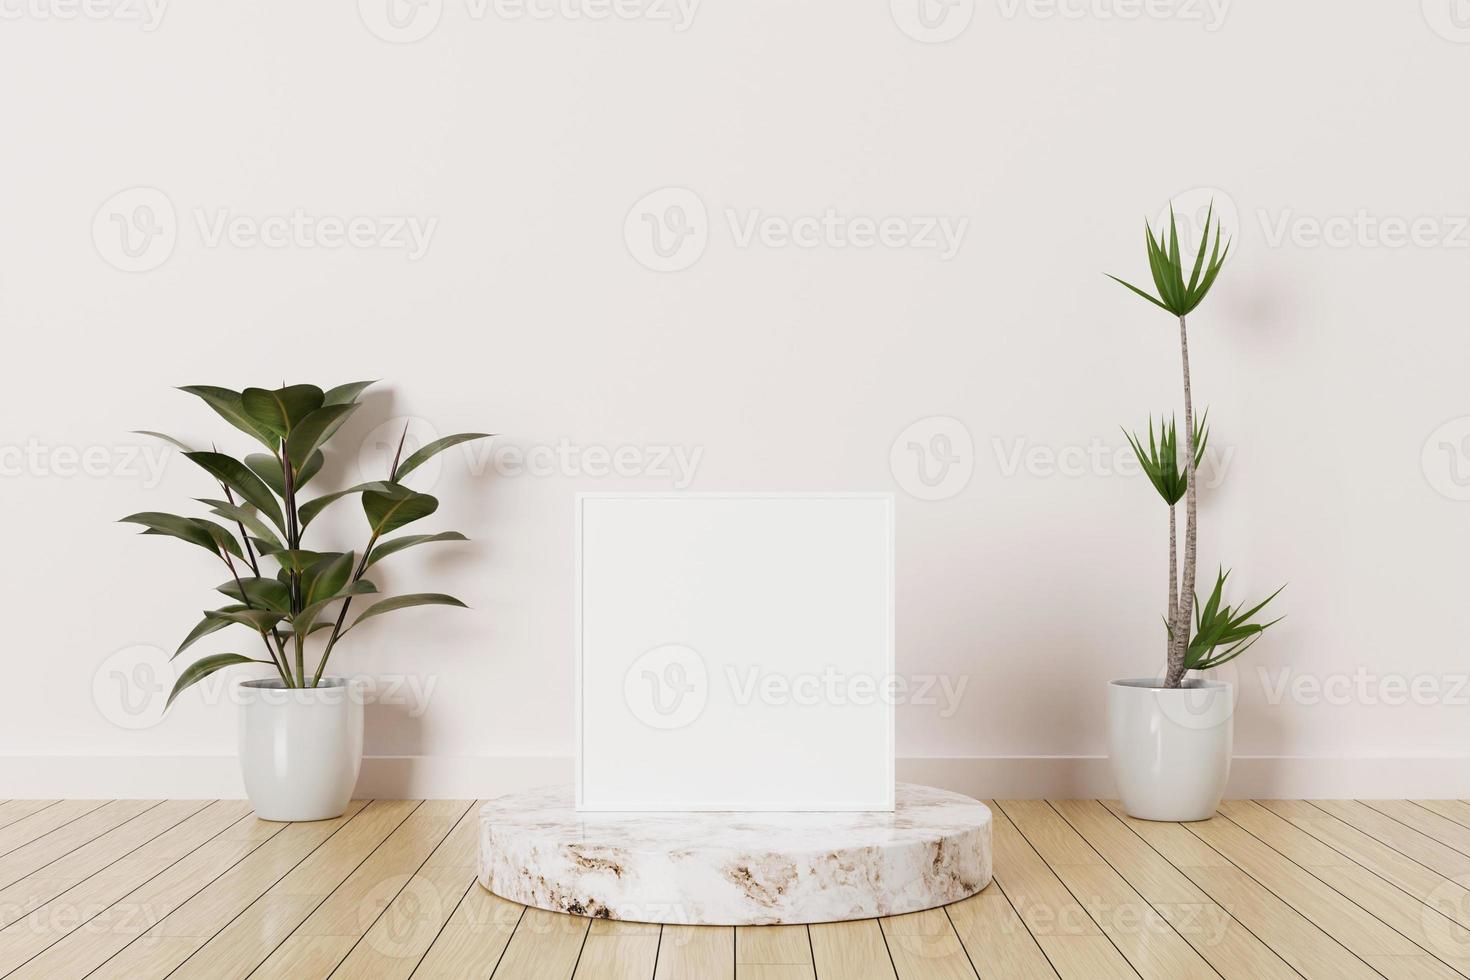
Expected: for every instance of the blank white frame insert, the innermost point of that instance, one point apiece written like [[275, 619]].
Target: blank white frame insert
[[735, 651]]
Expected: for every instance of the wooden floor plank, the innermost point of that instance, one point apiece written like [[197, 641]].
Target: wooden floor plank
[[1304, 946], [398, 940], [27, 829], [63, 840], [81, 951], [851, 950], [1049, 910], [924, 946], [996, 940], [15, 810], [1406, 840], [169, 943], [35, 888], [1381, 947], [329, 934], [1422, 925], [1427, 822], [1393, 866], [545, 946], [773, 953], [77, 902], [473, 940], [236, 950], [148, 889], [1141, 933], [1227, 944], [1456, 810], [619, 951]]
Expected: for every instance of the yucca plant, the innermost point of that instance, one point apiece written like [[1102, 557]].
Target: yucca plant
[[1214, 624], [266, 515]]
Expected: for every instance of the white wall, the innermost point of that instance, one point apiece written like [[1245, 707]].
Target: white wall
[[526, 141]]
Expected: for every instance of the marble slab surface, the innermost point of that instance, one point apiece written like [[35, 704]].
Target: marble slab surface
[[722, 868]]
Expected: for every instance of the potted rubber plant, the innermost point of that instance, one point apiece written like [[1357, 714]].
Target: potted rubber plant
[[300, 732], [1170, 736]]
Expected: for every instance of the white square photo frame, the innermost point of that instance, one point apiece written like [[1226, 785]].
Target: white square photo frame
[[735, 651]]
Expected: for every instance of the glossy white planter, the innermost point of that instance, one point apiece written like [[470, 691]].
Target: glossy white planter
[[1170, 749], [300, 749]]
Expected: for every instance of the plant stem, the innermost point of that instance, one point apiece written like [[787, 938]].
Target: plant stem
[[1173, 580], [1180, 639], [285, 674], [342, 613], [293, 540]]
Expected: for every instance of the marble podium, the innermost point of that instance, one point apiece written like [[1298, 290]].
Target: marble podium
[[721, 868], [735, 654]]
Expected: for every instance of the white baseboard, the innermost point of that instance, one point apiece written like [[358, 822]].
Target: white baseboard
[[1008, 777]]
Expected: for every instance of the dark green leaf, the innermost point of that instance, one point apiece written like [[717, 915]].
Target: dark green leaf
[[309, 433], [280, 410], [434, 448], [238, 477], [386, 548], [309, 510], [164, 436], [259, 593], [404, 602], [305, 620], [206, 626], [268, 468], [202, 668], [194, 530], [326, 577], [247, 517], [259, 620], [296, 560], [388, 510], [345, 394], [228, 404]]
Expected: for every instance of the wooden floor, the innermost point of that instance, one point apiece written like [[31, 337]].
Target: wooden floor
[[141, 889]]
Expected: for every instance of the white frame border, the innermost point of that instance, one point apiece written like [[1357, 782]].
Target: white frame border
[[892, 638]]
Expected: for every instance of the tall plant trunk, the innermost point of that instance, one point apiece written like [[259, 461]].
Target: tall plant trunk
[[1173, 604], [1185, 616]]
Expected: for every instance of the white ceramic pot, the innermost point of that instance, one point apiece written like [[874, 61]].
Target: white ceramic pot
[[300, 749], [1170, 749]]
